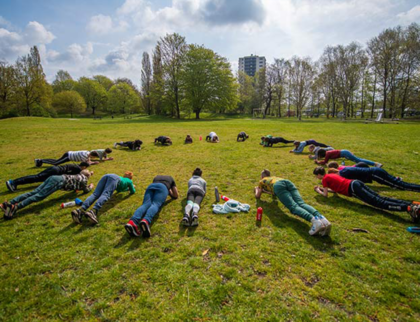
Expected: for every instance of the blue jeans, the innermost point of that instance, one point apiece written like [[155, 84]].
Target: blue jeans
[[154, 197], [104, 190], [350, 156]]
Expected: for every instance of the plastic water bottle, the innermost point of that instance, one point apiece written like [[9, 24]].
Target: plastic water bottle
[[224, 198], [76, 202], [216, 191], [259, 214], [201, 138]]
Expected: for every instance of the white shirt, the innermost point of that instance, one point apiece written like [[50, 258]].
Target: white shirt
[[79, 156]]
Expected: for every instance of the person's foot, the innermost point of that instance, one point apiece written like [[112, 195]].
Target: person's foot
[[77, 215], [132, 229], [327, 225], [399, 178], [186, 220], [38, 163], [145, 228], [10, 185], [194, 221], [115, 145], [317, 226], [414, 211], [92, 216], [10, 211], [3, 206], [378, 165]]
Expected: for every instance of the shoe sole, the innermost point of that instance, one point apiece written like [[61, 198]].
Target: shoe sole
[[8, 214], [327, 230], [194, 222], [9, 186], [131, 231], [92, 218], [145, 230], [185, 223], [76, 218], [319, 231]]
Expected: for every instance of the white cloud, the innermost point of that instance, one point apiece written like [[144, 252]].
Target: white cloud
[[103, 25], [75, 53], [412, 15]]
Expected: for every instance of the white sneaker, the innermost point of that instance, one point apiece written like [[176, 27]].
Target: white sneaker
[[115, 145], [327, 225], [317, 226]]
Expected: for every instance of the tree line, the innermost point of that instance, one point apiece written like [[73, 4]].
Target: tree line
[[182, 79]]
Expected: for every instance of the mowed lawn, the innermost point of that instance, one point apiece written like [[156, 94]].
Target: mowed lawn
[[227, 269]]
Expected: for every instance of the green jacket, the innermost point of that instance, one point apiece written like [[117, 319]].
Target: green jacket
[[125, 184]]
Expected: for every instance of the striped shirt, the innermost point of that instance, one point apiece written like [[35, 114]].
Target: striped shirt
[[79, 156], [75, 182]]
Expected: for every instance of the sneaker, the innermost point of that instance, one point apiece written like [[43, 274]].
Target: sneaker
[[186, 220], [115, 145], [327, 225], [317, 226], [132, 229], [10, 185], [414, 211], [194, 220], [38, 163], [399, 178], [4, 205], [145, 228], [378, 165], [10, 211], [92, 216], [77, 215]]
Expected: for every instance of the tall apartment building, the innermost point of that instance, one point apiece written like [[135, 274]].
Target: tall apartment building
[[251, 64]]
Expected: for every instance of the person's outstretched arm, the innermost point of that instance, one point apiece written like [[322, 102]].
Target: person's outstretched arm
[[258, 191], [173, 192]]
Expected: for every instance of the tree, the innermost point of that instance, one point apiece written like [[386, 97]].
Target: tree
[[7, 86], [93, 93], [207, 80], [63, 82], [157, 91], [69, 102], [279, 68], [172, 49], [122, 98], [246, 92], [106, 82], [146, 80]]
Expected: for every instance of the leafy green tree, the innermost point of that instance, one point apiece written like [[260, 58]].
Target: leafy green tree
[[63, 82], [93, 93], [7, 86], [69, 102], [123, 98], [106, 82], [157, 87], [246, 92]]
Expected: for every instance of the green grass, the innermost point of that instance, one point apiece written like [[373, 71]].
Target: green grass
[[52, 269]]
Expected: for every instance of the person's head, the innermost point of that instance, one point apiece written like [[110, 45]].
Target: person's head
[[265, 173], [138, 142], [86, 173], [188, 136], [215, 138], [168, 140], [319, 172], [333, 164], [128, 174], [322, 153], [262, 138], [311, 148], [83, 165], [197, 172], [108, 150], [296, 143], [266, 139]]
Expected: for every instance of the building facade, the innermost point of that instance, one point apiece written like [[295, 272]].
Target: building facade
[[251, 64]]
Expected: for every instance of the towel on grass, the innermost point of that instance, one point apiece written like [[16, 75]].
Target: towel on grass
[[230, 206]]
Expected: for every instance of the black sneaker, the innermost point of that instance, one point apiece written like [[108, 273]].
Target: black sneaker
[[145, 228], [77, 215], [10, 185], [10, 211], [4, 205], [186, 220], [194, 220], [132, 229], [38, 163], [92, 216]]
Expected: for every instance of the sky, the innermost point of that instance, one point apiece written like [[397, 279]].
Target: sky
[[107, 37]]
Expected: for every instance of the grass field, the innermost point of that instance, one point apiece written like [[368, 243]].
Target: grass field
[[227, 269]]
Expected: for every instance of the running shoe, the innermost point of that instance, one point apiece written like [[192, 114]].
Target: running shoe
[[194, 221], [38, 163], [327, 225], [92, 216], [317, 226], [4, 205], [186, 220], [132, 229], [77, 215], [115, 145], [10, 211], [10, 185], [145, 228]]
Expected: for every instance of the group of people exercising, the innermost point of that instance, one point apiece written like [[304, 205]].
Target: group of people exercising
[[346, 180]]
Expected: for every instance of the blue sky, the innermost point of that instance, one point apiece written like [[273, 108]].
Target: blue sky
[[108, 37]]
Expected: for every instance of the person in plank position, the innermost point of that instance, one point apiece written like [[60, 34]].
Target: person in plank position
[[357, 189], [164, 140], [300, 146], [242, 136], [78, 156], [197, 187], [212, 138], [325, 156], [154, 197], [103, 192], [188, 139], [289, 196], [132, 145], [44, 175], [268, 142]]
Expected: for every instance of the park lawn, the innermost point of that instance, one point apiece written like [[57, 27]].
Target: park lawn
[[227, 269]]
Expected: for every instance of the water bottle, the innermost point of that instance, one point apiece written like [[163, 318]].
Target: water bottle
[[259, 214], [224, 198], [201, 138], [216, 191], [76, 202]]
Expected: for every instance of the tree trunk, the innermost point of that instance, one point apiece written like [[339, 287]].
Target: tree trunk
[[177, 103], [197, 114], [385, 98], [373, 98]]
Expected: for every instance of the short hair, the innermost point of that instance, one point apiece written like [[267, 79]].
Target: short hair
[[265, 173], [333, 164], [322, 153], [86, 173], [138, 142], [296, 143], [84, 164], [128, 174], [197, 172], [108, 150], [319, 170]]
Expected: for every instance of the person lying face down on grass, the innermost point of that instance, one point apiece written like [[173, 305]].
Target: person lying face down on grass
[[268, 142], [324, 156], [132, 145], [242, 136], [78, 156], [356, 188], [197, 187], [51, 185], [368, 175], [315, 150], [44, 175], [188, 139], [103, 192], [154, 198], [212, 138], [164, 140], [300, 146], [290, 197]]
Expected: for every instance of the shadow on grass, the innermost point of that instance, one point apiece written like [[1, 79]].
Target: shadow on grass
[[282, 220], [21, 190], [337, 201]]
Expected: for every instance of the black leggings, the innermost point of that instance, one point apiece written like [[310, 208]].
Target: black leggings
[[359, 190], [63, 159], [195, 195], [383, 177], [40, 177], [278, 140]]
